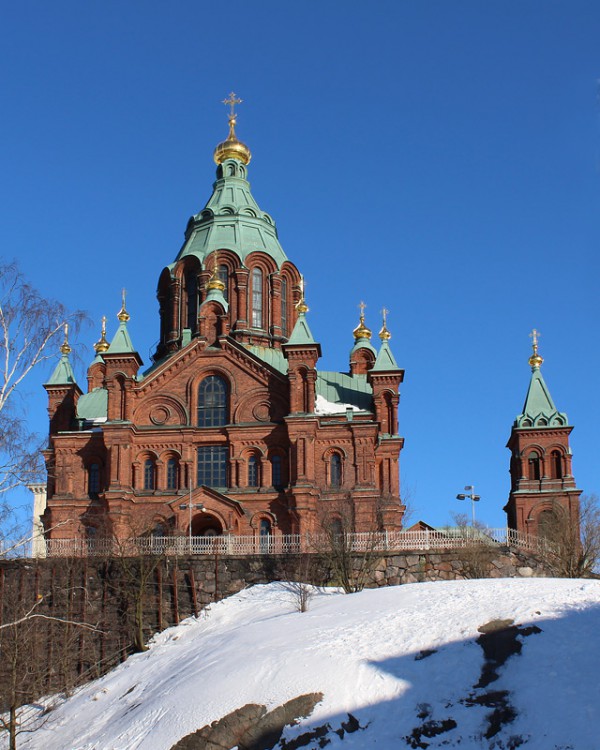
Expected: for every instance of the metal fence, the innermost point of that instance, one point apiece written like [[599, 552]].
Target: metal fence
[[385, 541]]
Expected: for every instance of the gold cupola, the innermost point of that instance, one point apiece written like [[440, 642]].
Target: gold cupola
[[384, 334], [102, 344], [123, 315], [232, 148], [361, 331], [64, 347], [536, 360]]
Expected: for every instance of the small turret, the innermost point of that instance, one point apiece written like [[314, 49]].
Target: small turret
[[122, 365], [63, 391], [302, 353]]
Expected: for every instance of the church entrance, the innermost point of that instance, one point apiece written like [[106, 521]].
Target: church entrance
[[205, 524]]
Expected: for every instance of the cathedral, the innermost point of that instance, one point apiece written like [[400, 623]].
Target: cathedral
[[233, 429]]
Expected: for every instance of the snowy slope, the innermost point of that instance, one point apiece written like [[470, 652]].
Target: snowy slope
[[369, 654]]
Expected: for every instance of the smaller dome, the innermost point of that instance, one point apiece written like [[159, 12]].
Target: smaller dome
[[232, 148]]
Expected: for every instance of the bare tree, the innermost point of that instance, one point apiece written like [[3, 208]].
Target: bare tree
[[572, 546], [351, 557], [476, 553], [30, 326]]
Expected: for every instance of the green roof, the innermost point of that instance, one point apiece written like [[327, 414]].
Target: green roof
[[363, 344], [93, 405], [539, 409], [232, 220], [63, 373], [273, 357], [385, 359], [121, 343], [341, 388], [301, 335]]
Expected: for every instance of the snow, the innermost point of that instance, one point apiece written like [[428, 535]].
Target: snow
[[359, 651], [325, 407]]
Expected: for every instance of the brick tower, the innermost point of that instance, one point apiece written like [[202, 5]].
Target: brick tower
[[542, 482]]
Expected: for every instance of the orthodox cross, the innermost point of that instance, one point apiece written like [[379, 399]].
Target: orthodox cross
[[232, 100], [384, 312], [103, 326], [534, 335], [362, 307]]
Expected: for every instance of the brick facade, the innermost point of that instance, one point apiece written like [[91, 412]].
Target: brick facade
[[233, 413]]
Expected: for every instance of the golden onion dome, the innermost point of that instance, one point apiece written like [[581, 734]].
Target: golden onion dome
[[536, 360], [102, 344], [384, 334], [361, 331], [232, 148], [64, 347]]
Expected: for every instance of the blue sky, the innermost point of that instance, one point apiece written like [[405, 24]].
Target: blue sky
[[441, 159]]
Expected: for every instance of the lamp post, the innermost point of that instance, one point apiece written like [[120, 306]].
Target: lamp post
[[191, 506], [472, 497]]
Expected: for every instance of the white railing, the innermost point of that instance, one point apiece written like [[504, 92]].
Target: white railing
[[384, 541]]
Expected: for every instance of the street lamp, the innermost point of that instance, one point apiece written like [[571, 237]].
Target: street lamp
[[472, 497]]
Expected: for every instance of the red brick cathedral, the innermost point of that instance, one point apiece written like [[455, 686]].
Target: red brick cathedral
[[233, 417]]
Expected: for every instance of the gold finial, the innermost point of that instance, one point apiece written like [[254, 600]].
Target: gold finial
[[301, 306], [361, 331], [123, 315], [65, 348], [384, 334], [232, 148], [215, 282], [535, 360], [102, 344]]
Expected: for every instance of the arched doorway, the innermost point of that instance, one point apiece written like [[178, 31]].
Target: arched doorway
[[205, 524]]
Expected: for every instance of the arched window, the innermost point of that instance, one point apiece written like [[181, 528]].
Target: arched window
[[212, 402], [335, 470], [276, 473], [172, 483], [94, 479], [223, 276], [253, 471], [533, 462], [149, 474], [257, 298], [284, 304], [557, 471], [212, 466], [191, 287]]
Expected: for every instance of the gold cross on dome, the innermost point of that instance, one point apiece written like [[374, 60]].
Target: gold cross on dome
[[232, 100], [534, 335], [362, 307], [384, 312]]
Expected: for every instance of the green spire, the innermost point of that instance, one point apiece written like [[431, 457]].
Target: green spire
[[63, 372], [539, 409], [232, 219], [301, 333], [121, 343], [385, 359]]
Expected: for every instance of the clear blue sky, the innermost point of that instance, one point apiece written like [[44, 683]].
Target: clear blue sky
[[438, 158]]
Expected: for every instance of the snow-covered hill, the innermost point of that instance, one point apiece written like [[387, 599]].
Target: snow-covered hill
[[402, 667]]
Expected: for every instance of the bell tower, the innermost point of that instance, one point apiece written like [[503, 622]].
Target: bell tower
[[542, 482]]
